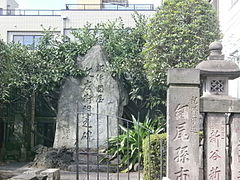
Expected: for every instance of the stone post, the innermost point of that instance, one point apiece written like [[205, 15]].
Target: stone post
[[222, 138], [183, 124], [221, 135], [215, 146], [235, 146]]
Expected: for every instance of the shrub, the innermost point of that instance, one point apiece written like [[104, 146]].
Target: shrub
[[154, 156], [178, 37]]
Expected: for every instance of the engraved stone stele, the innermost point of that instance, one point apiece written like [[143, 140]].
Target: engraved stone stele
[[183, 124], [96, 92], [217, 106], [215, 144]]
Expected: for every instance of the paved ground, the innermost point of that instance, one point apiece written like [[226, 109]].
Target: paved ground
[[17, 167], [102, 176]]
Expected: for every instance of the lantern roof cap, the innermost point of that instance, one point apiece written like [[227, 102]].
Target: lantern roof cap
[[215, 65]]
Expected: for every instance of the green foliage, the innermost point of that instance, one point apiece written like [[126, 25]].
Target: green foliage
[[15, 68], [56, 61], [128, 145], [178, 36], [84, 39], [124, 46], [44, 69], [154, 155], [41, 70]]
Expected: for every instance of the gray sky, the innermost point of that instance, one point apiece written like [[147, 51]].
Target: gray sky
[[60, 4]]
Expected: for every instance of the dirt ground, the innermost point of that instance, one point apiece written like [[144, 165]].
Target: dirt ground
[[16, 168]]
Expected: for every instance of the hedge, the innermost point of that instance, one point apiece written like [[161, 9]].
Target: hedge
[[154, 154]]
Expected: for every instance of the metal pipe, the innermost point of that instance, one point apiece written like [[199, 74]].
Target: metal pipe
[[118, 161], [88, 139], [149, 156], [97, 143], [77, 143], [128, 149], [161, 160], [107, 147], [139, 160]]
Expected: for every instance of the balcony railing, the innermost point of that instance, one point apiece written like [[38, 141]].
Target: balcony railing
[[29, 12], [77, 7], [111, 7]]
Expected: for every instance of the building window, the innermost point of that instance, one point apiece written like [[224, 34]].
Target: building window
[[119, 2], [30, 41]]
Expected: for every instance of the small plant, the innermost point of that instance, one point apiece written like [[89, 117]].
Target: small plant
[[127, 146]]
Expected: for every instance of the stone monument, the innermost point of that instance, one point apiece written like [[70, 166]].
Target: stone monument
[[97, 99], [183, 124], [220, 156]]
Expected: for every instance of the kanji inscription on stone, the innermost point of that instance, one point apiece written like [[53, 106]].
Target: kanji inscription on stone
[[183, 125], [214, 173], [215, 146], [182, 174], [90, 98], [182, 154]]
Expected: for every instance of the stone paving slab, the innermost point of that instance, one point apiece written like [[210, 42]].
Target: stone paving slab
[[8, 170], [52, 174], [24, 177], [19, 168], [66, 175]]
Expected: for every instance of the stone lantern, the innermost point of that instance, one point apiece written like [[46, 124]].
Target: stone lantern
[[215, 72], [217, 156], [221, 116]]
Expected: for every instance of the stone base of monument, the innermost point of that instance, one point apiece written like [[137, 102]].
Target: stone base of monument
[[93, 162], [53, 158], [65, 159], [93, 168]]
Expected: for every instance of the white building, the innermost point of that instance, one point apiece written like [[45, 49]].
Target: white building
[[229, 17], [25, 26]]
